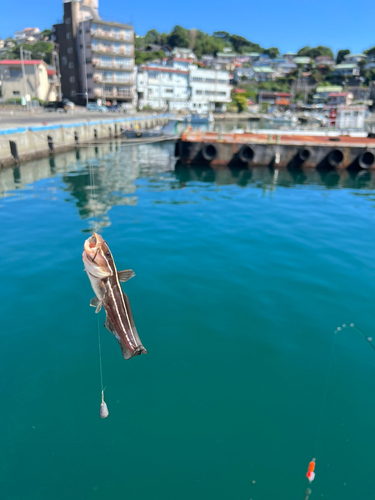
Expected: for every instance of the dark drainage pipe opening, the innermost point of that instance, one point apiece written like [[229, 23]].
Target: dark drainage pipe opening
[[335, 157], [246, 154], [366, 159], [303, 154], [209, 152]]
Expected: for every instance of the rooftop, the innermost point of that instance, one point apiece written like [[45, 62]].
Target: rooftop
[[347, 56], [302, 60], [263, 69], [346, 66], [329, 89], [164, 69], [18, 62]]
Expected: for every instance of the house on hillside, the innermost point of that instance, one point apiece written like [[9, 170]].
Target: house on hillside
[[264, 73], [338, 98], [29, 35], [182, 53], [354, 58], [39, 81]]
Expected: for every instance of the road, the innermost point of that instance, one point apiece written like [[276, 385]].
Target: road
[[9, 119]]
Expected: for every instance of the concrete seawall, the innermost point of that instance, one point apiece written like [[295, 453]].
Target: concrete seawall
[[28, 143]]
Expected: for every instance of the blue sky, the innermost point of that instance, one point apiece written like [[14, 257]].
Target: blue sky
[[287, 25]]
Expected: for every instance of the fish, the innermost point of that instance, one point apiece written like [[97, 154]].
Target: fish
[[310, 471], [105, 281]]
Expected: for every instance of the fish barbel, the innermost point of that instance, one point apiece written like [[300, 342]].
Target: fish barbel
[[105, 281]]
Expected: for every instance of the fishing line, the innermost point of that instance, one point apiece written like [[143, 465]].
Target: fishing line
[[361, 332], [103, 406], [325, 392]]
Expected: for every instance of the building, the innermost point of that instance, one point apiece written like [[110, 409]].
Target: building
[[324, 61], [264, 73], [354, 58], [209, 89], [30, 35], [359, 93], [339, 98], [351, 117], [225, 60], [163, 87], [37, 82], [182, 53], [96, 57], [345, 69]]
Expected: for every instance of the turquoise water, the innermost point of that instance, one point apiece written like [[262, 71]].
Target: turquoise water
[[241, 279]]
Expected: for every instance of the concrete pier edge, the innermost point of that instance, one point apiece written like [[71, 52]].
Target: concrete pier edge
[[21, 144]]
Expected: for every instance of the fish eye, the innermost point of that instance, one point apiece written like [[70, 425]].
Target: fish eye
[[108, 254]]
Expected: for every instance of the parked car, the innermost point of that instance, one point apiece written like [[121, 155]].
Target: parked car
[[92, 106], [68, 103], [115, 108], [59, 106]]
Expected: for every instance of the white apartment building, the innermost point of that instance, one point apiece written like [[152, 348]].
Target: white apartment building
[[210, 89], [163, 87]]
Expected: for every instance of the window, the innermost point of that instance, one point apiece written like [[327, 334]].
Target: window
[[72, 79], [198, 92], [168, 91], [209, 92], [64, 61], [210, 80], [67, 20], [68, 36], [71, 65], [222, 81], [70, 50], [15, 73], [222, 93], [197, 79], [89, 91], [89, 75], [88, 60], [72, 93], [15, 92]]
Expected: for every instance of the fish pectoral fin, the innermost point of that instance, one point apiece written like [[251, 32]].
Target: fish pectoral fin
[[109, 325], [125, 275], [95, 302]]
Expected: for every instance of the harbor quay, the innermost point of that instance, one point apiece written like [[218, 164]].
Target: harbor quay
[[21, 144], [275, 149]]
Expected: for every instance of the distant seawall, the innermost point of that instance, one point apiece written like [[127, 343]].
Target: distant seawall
[[28, 143]]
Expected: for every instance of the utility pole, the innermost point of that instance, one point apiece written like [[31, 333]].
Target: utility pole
[[28, 54], [84, 54]]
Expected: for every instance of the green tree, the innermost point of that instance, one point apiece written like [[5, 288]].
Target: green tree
[[370, 52], [240, 101], [341, 55], [273, 52], [314, 52], [143, 57], [179, 37]]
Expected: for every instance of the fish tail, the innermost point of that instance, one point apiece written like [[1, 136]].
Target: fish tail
[[130, 353]]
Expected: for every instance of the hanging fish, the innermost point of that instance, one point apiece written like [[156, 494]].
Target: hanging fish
[[310, 471], [105, 281]]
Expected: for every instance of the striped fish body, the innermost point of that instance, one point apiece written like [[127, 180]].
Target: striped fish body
[[105, 281], [119, 319]]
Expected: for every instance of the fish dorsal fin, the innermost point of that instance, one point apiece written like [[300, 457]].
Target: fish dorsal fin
[[95, 302], [125, 275]]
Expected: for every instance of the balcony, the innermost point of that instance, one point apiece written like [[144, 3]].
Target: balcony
[[103, 49], [111, 35], [98, 92]]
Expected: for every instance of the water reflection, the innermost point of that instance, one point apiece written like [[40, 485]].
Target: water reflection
[[99, 177]]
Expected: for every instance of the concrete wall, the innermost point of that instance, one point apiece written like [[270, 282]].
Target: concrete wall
[[37, 142]]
